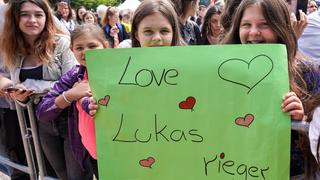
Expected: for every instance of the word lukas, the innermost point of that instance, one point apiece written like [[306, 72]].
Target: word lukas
[[234, 169], [160, 134], [146, 77]]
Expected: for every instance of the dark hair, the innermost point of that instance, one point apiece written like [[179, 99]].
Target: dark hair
[[59, 15], [149, 7], [79, 20], [228, 12], [206, 27], [13, 44], [181, 6]]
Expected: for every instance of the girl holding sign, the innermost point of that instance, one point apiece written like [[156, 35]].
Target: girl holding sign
[[155, 23], [72, 93], [268, 21]]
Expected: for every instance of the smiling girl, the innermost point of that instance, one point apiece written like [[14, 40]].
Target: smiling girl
[[268, 21]]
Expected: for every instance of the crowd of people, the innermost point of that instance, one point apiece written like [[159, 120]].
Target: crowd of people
[[42, 49]]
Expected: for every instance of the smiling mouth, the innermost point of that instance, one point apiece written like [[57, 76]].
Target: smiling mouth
[[255, 42]]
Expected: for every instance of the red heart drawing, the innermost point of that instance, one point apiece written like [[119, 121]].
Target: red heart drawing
[[147, 162], [104, 101], [246, 121], [188, 103]]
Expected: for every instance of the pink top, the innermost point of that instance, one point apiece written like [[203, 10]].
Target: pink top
[[86, 129]]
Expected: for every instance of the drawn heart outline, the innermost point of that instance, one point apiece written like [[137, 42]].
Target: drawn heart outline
[[188, 103], [147, 162], [246, 121], [104, 101], [248, 64]]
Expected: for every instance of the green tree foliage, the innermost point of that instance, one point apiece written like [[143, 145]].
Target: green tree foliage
[[92, 4]]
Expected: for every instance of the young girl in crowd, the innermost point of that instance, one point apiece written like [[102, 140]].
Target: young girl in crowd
[[268, 21], [79, 14], [211, 29], [114, 31], [190, 31], [36, 54], [155, 23], [72, 93], [90, 18]]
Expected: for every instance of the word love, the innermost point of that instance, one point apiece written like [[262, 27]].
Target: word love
[[158, 134], [147, 77], [235, 169]]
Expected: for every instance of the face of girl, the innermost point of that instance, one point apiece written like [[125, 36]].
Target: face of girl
[[32, 20], [113, 20], [81, 12], [89, 19], [154, 30], [215, 24], [84, 42], [254, 28]]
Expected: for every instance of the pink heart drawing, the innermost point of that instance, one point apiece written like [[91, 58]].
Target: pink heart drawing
[[147, 162], [104, 101], [246, 121]]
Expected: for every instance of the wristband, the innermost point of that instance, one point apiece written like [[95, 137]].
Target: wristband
[[64, 97]]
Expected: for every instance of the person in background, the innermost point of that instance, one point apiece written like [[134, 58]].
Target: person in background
[[90, 18], [64, 14], [201, 13], [114, 31], [312, 6], [101, 11], [211, 31], [308, 42], [79, 14], [126, 18], [190, 31]]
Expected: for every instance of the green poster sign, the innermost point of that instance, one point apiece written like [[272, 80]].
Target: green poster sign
[[191, 113]]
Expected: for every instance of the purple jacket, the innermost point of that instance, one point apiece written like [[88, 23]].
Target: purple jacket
[[47, 111]]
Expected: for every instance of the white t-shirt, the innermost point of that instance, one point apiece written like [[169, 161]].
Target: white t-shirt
[[314, 131]]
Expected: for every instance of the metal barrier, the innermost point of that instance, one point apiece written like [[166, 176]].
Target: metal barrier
[[35, 164]]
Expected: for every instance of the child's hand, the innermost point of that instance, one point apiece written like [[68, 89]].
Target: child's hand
[[79, 90], [293, 105], [93, 106], [114, 31]]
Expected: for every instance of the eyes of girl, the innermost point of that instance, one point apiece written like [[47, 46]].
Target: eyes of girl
[[39, 15], [91, 46], [262, 25], [149, 32]]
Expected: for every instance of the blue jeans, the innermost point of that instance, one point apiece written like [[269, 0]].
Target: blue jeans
[[56, 147]]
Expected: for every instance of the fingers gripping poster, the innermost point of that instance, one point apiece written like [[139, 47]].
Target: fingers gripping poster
[[191, 113]]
